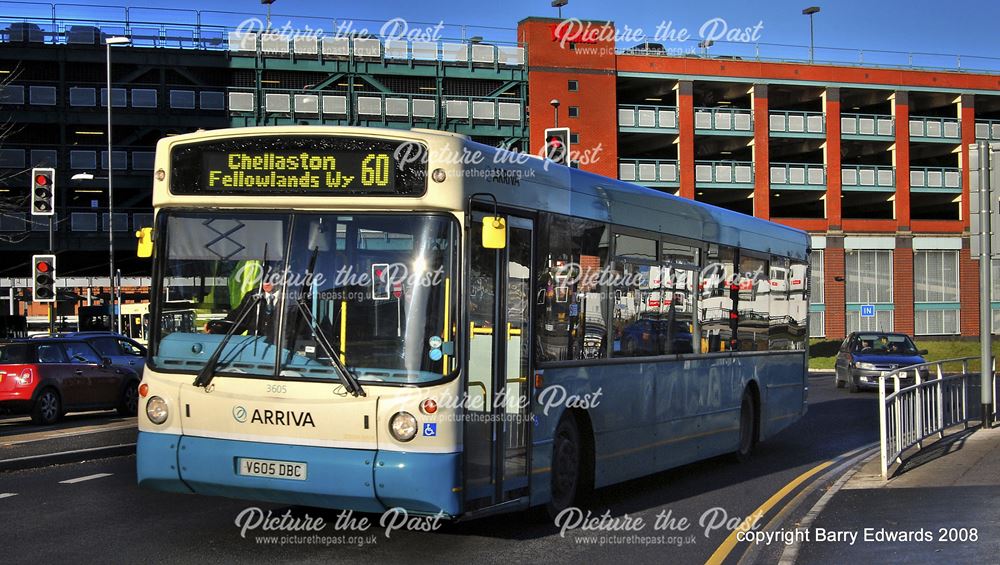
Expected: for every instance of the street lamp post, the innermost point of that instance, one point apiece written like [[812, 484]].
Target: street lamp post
[[111, 195], [268, 3], [555, 108], [809, 12], [558, 4]]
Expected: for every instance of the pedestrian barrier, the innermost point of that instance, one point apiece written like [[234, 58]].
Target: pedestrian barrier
[[909, 415]]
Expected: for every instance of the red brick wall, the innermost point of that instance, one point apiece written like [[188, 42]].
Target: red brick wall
[[551, 64], [761, 154], [902, 289], [685, 149], [901, 109], [968, 271], [833, 264], [832, 153]]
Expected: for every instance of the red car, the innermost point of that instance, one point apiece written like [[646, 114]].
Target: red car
[[52, 376]]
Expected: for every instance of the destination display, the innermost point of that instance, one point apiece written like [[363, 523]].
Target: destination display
[[300, 166]]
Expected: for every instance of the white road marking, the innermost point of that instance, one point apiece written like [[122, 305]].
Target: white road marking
[[61, 453], [7, 494], [87, 478]]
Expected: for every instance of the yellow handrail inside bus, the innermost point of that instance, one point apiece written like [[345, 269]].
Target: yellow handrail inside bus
[[512, 331], [343, 332], [474, 331], [447, 323]]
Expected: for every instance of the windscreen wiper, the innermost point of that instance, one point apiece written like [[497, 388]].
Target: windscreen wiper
[[207, 373], [346, 375]]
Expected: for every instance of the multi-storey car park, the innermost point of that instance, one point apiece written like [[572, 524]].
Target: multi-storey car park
[[870, 159]]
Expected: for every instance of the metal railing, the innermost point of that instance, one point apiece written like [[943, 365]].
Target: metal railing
[[867, 124], [945, 179], [988, 129], [798, 174], [754, 51], [860, 177], [935, 128], [781, 121], [723, 119], [724, 172], [648, 170], [908, 416], [376, 106], [654, 117]]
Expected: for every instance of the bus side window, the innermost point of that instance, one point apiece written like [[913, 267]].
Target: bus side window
[[716, 307]]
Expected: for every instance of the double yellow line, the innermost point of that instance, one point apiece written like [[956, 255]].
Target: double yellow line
[[843, 462]]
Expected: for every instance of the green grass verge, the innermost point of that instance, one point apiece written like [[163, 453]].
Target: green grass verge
[[823, 352]]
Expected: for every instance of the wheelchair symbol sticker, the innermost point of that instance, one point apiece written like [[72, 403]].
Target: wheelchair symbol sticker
[[430, 429]]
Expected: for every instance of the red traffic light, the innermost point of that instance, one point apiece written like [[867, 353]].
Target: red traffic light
[[43, 267], [42, 180]]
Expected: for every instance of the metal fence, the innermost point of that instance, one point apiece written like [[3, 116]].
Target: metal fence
[[935, 402]]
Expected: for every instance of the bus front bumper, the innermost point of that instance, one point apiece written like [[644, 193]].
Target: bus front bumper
[[339, 478]]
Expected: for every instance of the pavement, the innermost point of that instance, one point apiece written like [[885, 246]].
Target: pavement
[[939, 505]]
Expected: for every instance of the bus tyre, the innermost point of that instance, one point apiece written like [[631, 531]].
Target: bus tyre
[[47, 408], [566, 463], [748, 426], [129, 403]]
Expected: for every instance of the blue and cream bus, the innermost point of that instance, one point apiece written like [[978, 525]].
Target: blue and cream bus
[[407, 318]]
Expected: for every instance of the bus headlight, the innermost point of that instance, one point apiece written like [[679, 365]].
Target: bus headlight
[[403, 426], [156, 410]]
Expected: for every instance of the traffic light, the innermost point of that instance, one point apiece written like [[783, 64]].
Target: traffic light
[[557, 145], [43, 192], [43, 280]]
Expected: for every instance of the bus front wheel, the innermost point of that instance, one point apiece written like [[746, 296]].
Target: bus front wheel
[[748, 426], [566, 459]]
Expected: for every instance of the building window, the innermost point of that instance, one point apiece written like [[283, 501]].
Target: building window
[[574, 138], [817, 306], [574, 111], [869, 281], [935, 292], [573, 86]]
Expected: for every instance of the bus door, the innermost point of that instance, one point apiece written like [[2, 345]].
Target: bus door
[[497, 422]]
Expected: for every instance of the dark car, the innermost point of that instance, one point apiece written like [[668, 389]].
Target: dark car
[[866, 356], [123, 351], [648, 336], [51, 376]]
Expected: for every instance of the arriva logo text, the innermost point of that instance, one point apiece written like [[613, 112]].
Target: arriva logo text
[[274, 417]]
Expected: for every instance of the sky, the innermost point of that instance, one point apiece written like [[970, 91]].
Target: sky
[[841, 28]]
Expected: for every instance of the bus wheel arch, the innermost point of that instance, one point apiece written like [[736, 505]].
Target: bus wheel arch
[[749, 430], [572, 469]]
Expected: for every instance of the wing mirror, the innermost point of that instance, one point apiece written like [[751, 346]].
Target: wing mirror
[[494, 232], [922, 352]]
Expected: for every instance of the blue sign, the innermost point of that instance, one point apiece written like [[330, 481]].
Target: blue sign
[[867, 311], [430, 429]]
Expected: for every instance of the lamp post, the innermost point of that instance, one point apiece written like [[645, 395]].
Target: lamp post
[[111, 194], [268, 3], [559, 4], [555, 108], [809, 12]]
